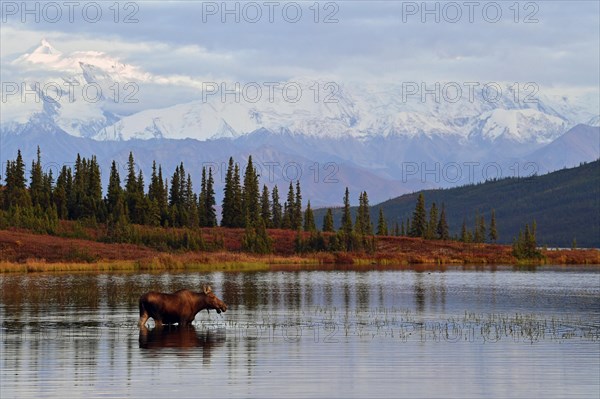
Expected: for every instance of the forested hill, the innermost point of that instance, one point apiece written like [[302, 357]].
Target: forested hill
[[565, 204]]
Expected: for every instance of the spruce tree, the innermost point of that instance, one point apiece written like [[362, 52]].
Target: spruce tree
[[46, 201], [238, 210], [191, 204], [62, 192], [86, 194], [363, 217], [18, 179], [289, 209], [16, 192], [328, 221], [114, 192], [382, 229], [358, 221], [75, 201], [142, 205], [175, 198], [533, 238], [36, 185], [418, 227], [155, 195], [202, 219], [228, 207], [277, 212], [153, 187], [250, 201], [265, 207], [140, 183], [118, 228], [134, 193], [525, 246], [256, 238], [131, 188], [479, 231], [309, 219], [464, 234], [211, 202], [346, 216], [297, 218], [443, 232], [117, 220], [493, 228], [182, 185], [163, 198], [180, 198], [433, 222], [154, 216]]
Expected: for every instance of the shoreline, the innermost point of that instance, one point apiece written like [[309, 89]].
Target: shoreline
[[246, 263], [26, 252]]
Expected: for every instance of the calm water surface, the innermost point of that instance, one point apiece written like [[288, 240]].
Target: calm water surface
[[476, 332]]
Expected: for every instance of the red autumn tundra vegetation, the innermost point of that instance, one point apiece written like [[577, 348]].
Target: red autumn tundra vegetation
[[19, 246]]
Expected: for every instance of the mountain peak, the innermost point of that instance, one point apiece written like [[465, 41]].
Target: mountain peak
[[43, 54], [45, 48]]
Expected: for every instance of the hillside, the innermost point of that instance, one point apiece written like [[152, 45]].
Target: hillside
[[565, 204]]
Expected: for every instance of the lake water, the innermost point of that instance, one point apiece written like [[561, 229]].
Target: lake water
[[456, 333]]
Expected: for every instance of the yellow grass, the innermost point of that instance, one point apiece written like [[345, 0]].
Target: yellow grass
[[203, 262], [235, 261]]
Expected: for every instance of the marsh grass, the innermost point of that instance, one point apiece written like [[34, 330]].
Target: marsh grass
[[202, 262]]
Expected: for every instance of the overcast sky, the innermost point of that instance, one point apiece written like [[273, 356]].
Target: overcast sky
[[551, 43]]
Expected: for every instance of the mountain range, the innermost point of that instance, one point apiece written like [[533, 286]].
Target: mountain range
[[386, 139]]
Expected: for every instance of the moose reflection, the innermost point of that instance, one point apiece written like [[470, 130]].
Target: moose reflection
[[180, 337], [180, 307]]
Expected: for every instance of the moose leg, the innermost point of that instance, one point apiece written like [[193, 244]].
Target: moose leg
[[143, 319], [186, 322], [143, 316]]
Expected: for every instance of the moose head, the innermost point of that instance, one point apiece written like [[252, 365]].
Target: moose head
[[212, 302]]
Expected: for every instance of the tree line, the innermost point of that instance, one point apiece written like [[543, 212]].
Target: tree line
[[77, 194], [432, 225]]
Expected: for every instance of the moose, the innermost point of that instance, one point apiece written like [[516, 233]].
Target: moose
[[179, 307]]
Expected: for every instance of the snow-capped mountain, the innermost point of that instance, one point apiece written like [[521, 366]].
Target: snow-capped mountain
[[96, 90], [48, 57], [355, 113], [370, 129]]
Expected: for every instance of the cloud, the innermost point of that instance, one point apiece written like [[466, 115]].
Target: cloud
[[371, 40]]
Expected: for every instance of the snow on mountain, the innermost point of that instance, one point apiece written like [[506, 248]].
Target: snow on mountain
[[303, 106], [521, 126], [364, 127], [192, 120], [354, 112], [80, 92], [595, 121], [47, 57]]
